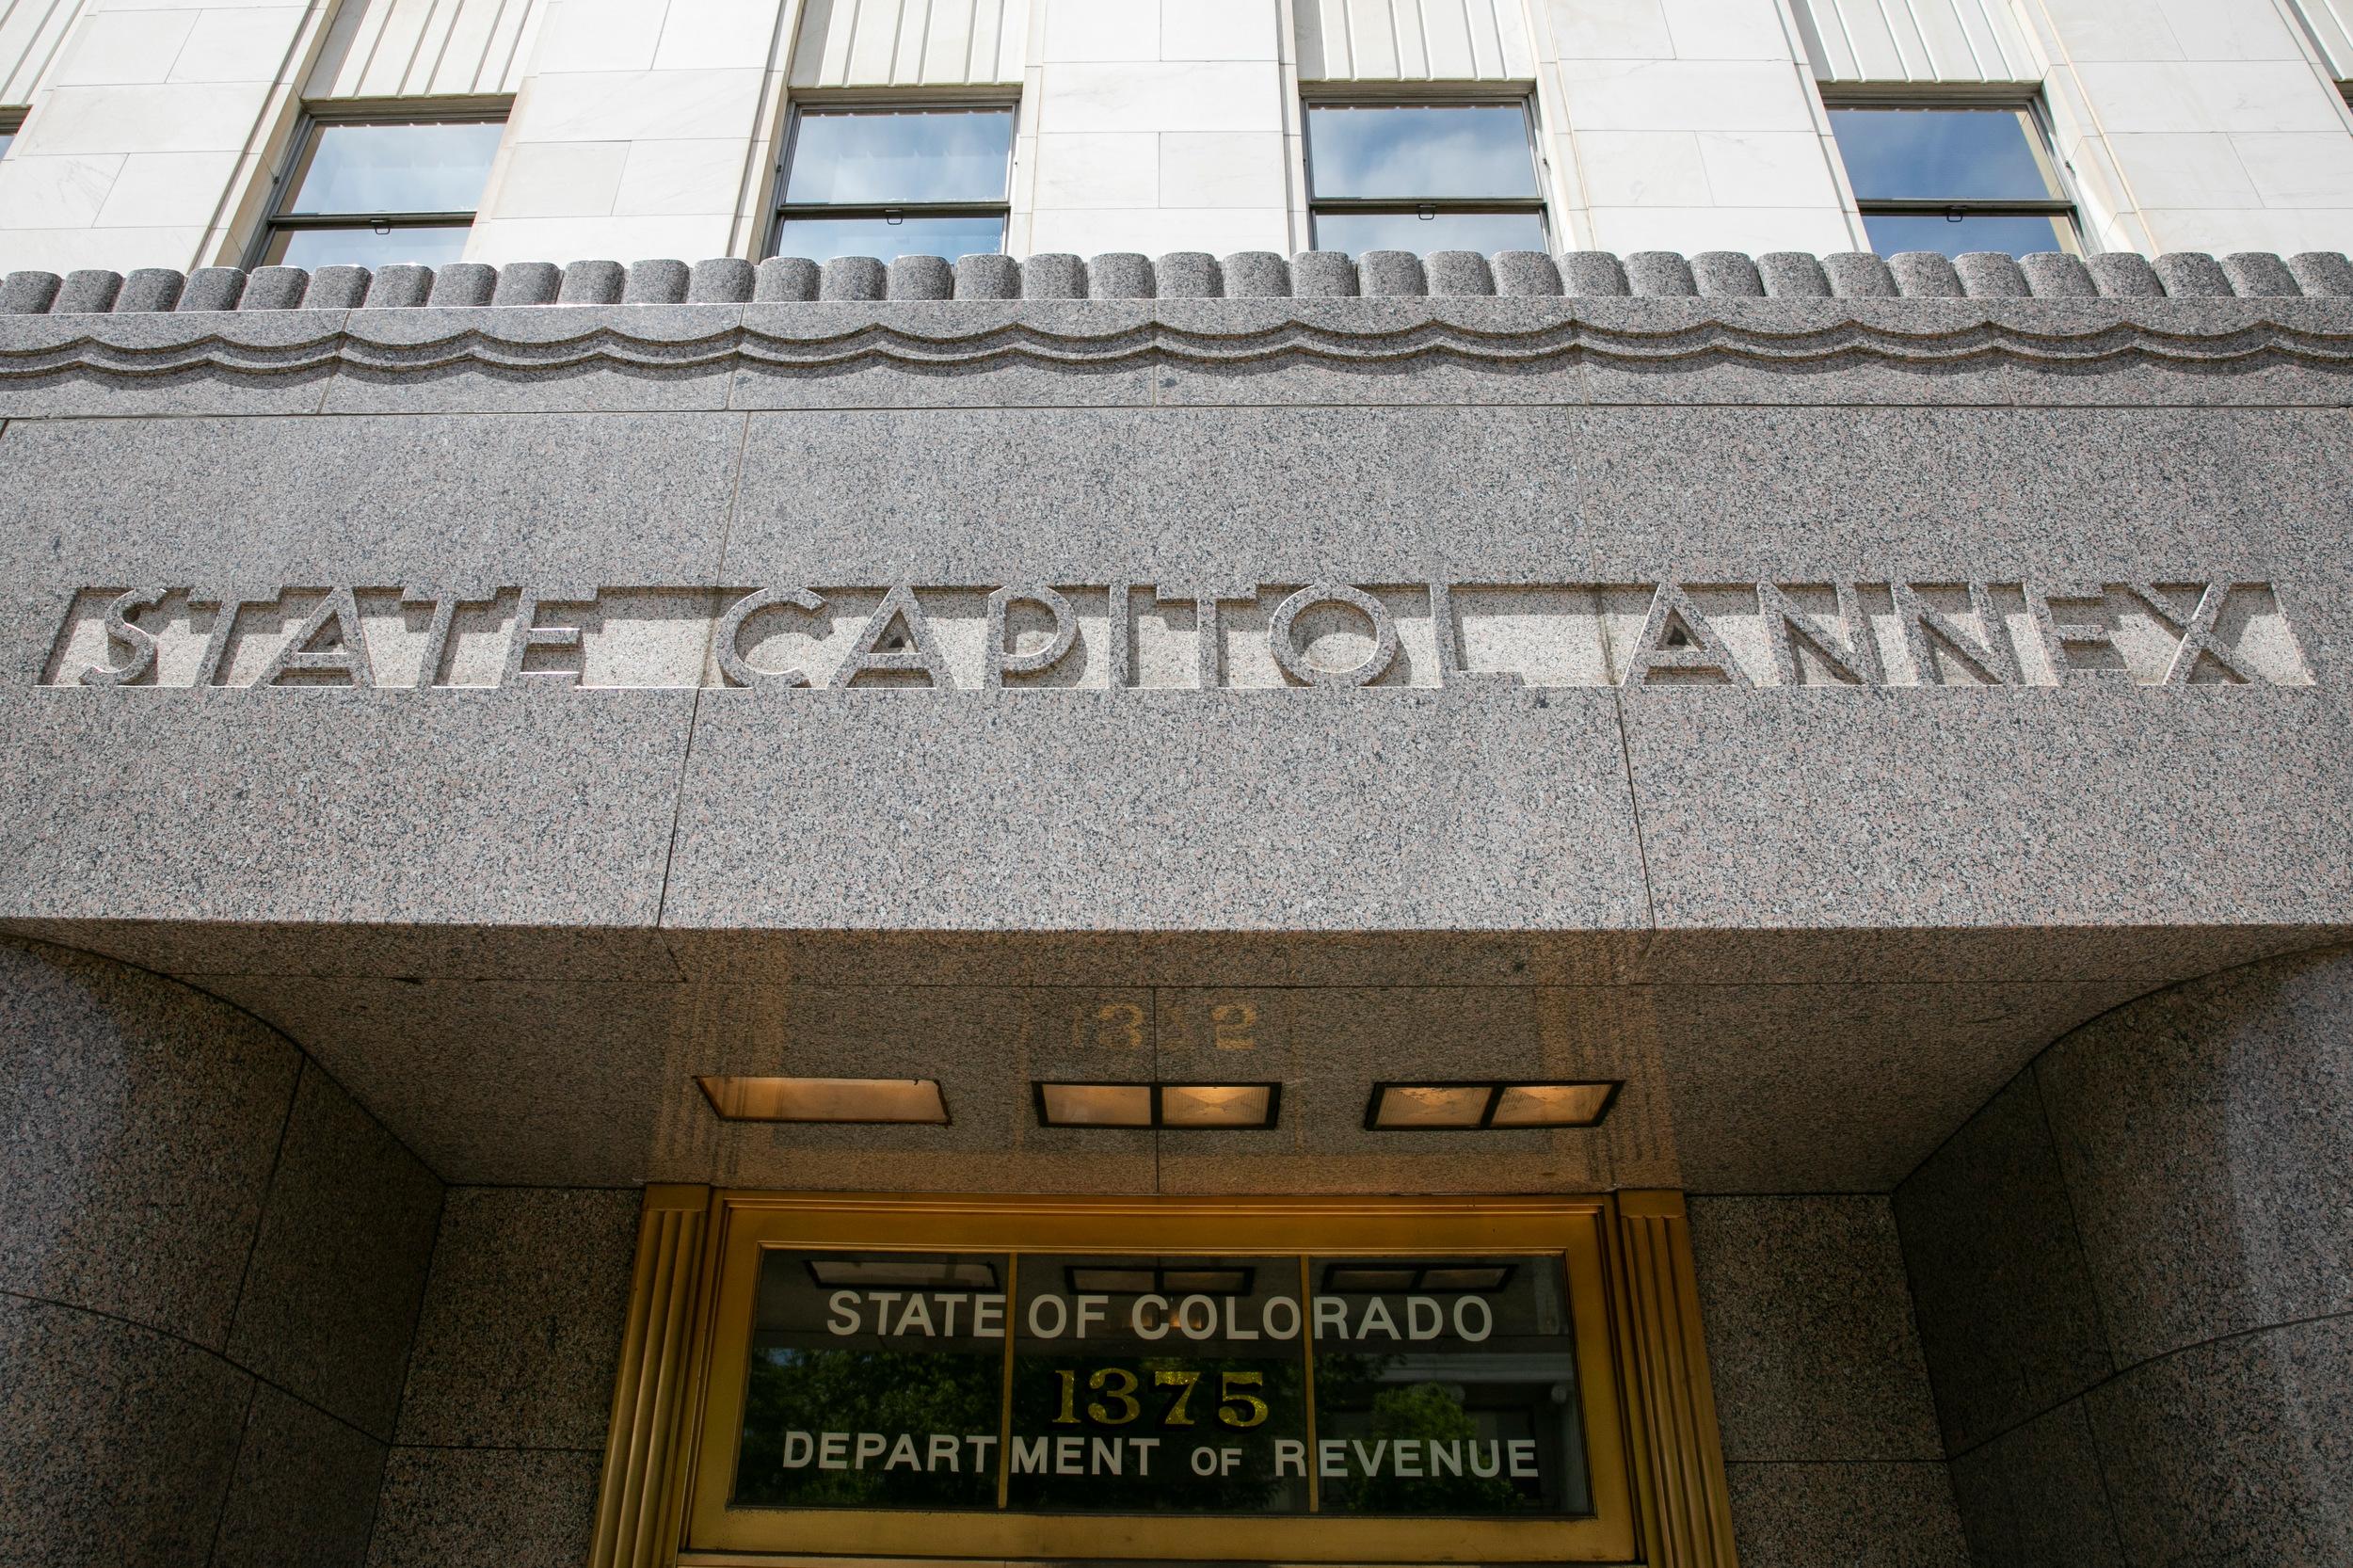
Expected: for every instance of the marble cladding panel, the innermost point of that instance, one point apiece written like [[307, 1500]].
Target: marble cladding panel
[[1882, 1514], [2035, 1497], [2008, 1320], [305, 1490], [486, 1507], [519, 1336], [330, 1296], [143, 1120], [2206, 1137], [1810, 1336], [2235, 1450], [116, 1443]]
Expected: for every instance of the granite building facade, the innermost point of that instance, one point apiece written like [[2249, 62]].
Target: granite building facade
[[1584, 760]]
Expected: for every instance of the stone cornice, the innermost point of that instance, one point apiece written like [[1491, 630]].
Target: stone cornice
[[1488, 331], [1191, 275]]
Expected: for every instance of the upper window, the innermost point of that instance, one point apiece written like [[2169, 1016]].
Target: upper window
[[892, 182], [371, 193], [7, 133], [1423, 177], [1954, 180]]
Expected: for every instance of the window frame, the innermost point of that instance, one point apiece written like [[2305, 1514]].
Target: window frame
[[1355, 96], [781, 211], [316, 119], [1581, 1229], [2025, 103]]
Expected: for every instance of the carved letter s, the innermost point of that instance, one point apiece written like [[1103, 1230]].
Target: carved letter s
[[120, 631]]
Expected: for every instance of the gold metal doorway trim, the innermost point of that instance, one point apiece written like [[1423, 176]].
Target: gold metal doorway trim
[[1657, 1467]]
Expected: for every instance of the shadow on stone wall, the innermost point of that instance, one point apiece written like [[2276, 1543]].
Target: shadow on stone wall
[[211, 1261], [2133, 1276]]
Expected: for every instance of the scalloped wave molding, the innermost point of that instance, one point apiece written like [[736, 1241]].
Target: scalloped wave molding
[[1516, 307], [1197, 275]]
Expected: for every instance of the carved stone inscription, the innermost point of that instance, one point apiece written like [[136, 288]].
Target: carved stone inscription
[[1196, 636]]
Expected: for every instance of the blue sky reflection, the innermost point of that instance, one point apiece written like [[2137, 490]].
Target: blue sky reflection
[[1940, 155], [1465, 150]]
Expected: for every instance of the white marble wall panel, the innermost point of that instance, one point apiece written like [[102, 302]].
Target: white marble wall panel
[[2198, 126], [1439, 40], [30, 31], [2331, 24], [644, 128], [1915, 40], [147, 132], [1156, 125], [1686, 125], [900, 44], [420, 48]]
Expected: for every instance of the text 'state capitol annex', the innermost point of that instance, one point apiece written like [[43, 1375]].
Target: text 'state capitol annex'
[[788, 783]]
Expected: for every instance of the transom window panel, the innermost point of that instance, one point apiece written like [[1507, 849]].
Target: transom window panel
[[891, 183], [1423, 177], [1250, 1382], [1953, 180], [374, 193]]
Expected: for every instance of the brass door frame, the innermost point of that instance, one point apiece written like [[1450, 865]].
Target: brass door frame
[[1655, 1466]]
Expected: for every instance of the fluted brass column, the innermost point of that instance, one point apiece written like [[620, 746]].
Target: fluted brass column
[[637, 1505], [1679, 1462]]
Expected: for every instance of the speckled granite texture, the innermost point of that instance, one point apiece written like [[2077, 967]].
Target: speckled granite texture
[[2134, 1271], [1193, 275], [1051, 330], [1814, 930], [212, 1258], [510, 1385], [1829, 1434]]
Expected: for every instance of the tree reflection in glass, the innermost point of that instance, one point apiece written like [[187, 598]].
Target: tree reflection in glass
[[877, 1382], [1450, 1385]]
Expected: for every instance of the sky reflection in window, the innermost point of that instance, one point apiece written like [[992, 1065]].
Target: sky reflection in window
[[318, 248], [1453, 152], [822, 239], [1939, 154], [1485, 233], [397, 169], [899, 158], [1891, 234]]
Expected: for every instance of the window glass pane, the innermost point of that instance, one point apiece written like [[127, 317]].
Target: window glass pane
[[876, 1381], [2020, 236], [1959, 154], [1455, 1396], [1158, 1386], [821, 239], [1465, 149], [397, 169], [1485, 233], [317, 248], [6, 137], [901, 157]]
